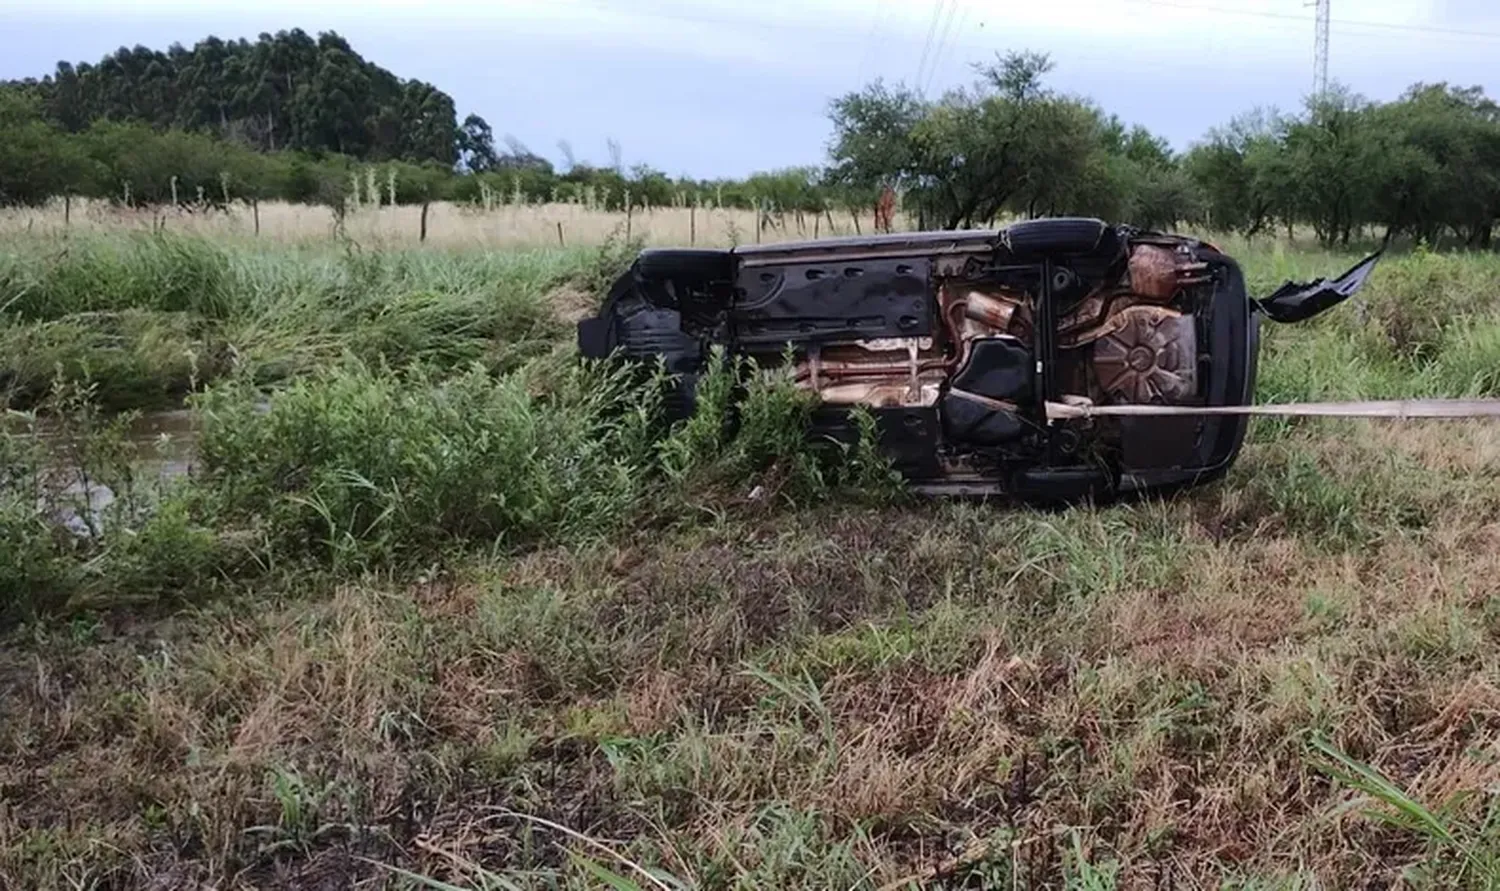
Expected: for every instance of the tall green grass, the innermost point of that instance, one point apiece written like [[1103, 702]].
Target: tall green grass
[[362, 410], [149, 318], [361, 466], [1462, 836], [358, 467], [1426, 325]]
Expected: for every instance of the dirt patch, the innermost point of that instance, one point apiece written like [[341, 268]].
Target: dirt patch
[[571, 304]]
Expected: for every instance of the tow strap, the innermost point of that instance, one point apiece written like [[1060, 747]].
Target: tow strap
[[1397, 408]]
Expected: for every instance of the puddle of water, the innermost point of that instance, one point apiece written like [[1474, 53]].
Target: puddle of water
[[163, 440], [163, 444]]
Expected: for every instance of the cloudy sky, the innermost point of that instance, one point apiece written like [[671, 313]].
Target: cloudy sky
[[720, 87]]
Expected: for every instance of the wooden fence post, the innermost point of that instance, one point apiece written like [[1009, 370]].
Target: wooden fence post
[[692, 224], [560, 242], [423, 236]]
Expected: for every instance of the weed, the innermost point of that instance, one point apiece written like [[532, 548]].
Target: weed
[[471, 578], [1461, 850]]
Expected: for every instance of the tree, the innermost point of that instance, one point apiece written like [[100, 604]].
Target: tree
[[873, 135], [1242, 174], [37, 161], [1007, 142], [1333, 161], [476, 145], [283, 90], [1439, 152]]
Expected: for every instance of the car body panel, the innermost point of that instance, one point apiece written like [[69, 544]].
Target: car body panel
[[956, 341]]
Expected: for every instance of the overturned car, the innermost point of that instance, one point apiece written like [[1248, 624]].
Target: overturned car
[[979, 353]]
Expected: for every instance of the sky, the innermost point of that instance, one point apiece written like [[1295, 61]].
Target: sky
[[712, 88]]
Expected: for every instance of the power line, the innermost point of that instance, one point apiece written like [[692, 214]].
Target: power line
[[1320, 51], [963, 19], [872, 43], [937, 54], [937, 12], [1286, 16]]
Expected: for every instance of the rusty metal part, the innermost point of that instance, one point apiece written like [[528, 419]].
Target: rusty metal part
[[1151, 357], [877, 394], [994, 310], [831, 371], [1103, 326], [878, 372], [1090, 309], [1096, 319], [966, 312], [969, 311], [1158, 273], [1023, 322]]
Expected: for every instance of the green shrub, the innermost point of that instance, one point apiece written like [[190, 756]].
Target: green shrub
[[359, 464], [37, 574]]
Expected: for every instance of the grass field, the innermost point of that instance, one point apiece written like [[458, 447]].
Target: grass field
[[448, 225], [430, 610]]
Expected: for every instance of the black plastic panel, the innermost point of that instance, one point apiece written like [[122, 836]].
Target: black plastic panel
[[1043, 485], [1159, 443], [810, 302], [972, 422], [999, 368], [686, 265], [650, 333], [908, 436]]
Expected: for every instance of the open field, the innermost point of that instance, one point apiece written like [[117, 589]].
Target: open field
[[448, 225], [429, 608]]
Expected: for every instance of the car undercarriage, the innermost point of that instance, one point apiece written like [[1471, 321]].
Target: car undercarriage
[[958, 342]]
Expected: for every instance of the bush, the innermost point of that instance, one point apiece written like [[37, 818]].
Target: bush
[[360, 466], [1470, 362], [36, 574]]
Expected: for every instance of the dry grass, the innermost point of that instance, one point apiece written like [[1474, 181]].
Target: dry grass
[[931, 695], [448, 225], [837, 698]]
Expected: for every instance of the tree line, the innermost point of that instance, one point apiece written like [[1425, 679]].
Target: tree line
[[302, 119], [284, 91], [1426, 165]]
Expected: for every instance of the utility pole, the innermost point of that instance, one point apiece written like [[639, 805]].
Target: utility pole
[[1320, 52]]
